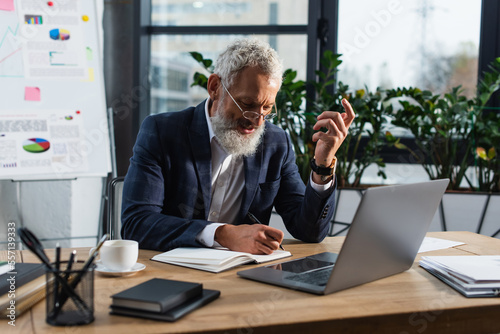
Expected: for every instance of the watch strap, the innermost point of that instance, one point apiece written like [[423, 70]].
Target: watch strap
[[324, 171]]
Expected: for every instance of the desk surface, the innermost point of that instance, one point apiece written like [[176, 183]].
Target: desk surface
[[410, 302]]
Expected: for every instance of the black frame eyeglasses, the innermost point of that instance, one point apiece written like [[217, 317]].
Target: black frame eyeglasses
[[252, 115]]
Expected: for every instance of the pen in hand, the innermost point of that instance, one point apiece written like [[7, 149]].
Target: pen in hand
[[256, 221]]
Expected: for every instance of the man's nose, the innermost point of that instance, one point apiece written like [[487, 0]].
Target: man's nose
[[259, 120]]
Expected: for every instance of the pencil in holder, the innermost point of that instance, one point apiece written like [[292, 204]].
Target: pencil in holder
[[70, 295]]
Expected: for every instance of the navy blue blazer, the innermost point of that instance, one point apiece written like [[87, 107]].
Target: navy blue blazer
[[166, 194]]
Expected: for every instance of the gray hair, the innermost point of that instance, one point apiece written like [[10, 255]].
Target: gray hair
[[246, 53]]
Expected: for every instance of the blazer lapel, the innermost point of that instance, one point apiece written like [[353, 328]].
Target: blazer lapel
[[200, 147]]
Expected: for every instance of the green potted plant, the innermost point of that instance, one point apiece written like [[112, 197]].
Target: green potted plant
[[451, 131], [294, 120], [487, 132], [487, 165], [446, 128], [442, 129]]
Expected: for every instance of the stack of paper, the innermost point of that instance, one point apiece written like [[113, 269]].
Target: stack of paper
[[472, 276]]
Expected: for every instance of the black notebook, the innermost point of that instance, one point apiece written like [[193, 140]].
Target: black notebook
[[157, 295], [171, 315], [23, 272]]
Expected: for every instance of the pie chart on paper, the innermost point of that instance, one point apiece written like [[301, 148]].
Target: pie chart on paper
[[59, 34], [36, 145]]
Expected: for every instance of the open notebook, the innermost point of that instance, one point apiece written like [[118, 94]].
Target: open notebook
[[213, 259]]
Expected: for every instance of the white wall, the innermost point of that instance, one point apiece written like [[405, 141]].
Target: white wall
[[67, 211]]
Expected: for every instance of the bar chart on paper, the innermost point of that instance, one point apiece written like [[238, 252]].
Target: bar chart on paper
[[33, 19]]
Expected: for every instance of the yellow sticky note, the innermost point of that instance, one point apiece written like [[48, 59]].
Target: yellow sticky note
[[90, 77], [32, 94]]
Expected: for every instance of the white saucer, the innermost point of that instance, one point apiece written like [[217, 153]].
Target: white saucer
[[100, 268]]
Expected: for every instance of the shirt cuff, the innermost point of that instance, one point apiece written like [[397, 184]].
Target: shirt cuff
[[321, 188], [207, 235]]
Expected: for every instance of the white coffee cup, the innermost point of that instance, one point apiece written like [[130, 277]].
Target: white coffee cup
[[119, 255]]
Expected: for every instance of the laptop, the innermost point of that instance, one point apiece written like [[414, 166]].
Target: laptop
[[385, 235]]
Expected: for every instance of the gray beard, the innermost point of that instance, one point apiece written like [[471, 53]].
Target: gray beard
[[232, 140]]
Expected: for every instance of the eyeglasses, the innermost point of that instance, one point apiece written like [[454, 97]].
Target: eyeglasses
[[251, 115]]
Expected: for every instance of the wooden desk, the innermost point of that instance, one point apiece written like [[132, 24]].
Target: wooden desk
[[410, 302]]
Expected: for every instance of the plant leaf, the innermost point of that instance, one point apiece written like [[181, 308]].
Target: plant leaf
[[492, 153], [196, 56], [481, 153]]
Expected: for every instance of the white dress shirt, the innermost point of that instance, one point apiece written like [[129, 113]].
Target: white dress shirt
[[228, 183]]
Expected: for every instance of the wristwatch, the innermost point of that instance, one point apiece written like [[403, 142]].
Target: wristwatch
[[325, 172]]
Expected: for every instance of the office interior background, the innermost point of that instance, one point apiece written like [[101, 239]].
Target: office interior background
[[431, 44]]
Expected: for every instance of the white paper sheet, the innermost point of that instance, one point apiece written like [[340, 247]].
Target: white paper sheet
[[432, 244]]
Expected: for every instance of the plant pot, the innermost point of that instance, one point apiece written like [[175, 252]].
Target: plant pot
[[346, 204], [469, 211], [458, 211]]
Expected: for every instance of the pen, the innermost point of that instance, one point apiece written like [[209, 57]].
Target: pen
[[82, 271], [70, 263], [58, 256], [256, 221], [34, 245], [57, 265], [91, 259]]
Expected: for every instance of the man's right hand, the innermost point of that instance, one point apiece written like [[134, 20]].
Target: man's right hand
[[254, 239]]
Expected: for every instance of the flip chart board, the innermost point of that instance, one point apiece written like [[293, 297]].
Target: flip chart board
[[53, 122]]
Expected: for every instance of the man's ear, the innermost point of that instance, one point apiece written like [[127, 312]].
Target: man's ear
[[213, 86]]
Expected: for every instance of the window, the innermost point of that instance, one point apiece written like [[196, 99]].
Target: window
[[228, 13], [180, 26], [427, 44], [381, 42]]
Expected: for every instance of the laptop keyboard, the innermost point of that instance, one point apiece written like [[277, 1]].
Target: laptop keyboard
[[316, 277]]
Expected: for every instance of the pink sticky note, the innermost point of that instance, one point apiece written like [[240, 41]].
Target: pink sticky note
[[7, 5], [32, 94]]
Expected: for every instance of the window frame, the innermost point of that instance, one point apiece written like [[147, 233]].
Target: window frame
[[321, 31]]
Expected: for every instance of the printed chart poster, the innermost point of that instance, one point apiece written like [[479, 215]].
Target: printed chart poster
[[47, 142], [52, 39], [38, 40]]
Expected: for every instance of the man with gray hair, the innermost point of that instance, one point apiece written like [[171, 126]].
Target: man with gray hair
[[204, 176]]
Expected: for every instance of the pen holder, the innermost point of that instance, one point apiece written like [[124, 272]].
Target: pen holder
[[70, 295]]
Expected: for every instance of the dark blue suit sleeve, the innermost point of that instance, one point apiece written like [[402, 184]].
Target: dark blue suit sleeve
[[143, 216], [306, 214]]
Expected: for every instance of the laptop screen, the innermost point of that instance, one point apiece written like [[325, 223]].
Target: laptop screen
[[301, 265]]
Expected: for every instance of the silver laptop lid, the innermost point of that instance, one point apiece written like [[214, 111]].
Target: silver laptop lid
[[386, 232]]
